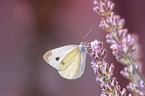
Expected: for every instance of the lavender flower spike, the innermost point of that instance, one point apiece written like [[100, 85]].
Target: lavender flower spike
[[122, 44], [104, 71]]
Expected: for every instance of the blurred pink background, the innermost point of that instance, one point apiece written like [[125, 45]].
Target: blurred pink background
[[29, 28]]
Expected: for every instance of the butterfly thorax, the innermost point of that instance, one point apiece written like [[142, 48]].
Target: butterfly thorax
[[82, 47]]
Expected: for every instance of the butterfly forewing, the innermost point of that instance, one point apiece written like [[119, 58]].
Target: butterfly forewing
[[55, 56]]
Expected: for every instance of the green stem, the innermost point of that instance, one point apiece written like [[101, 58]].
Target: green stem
[[131, 78], [131, 62]]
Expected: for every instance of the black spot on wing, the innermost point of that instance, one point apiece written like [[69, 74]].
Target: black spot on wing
[[57, 58], [62, 63]]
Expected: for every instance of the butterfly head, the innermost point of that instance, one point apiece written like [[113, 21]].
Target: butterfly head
[[82, 47], [82, 43]]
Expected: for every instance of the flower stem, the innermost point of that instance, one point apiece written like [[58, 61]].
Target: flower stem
[[131, 62]]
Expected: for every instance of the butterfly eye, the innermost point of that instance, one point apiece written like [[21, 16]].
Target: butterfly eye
[[82, 43], [57, 58]]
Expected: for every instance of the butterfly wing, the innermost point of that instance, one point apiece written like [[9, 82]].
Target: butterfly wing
[[73, 65], [55, 56]]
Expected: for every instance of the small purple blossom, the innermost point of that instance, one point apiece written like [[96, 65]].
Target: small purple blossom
[[111, 23], [138, 88], [103, 7]]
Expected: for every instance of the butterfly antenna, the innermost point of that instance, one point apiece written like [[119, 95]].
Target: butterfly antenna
[[81, 34], [86, 34]]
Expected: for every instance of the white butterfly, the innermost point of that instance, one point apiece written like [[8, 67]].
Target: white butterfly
[[69, 60]]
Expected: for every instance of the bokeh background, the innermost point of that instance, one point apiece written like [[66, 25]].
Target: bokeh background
[[29, 28]]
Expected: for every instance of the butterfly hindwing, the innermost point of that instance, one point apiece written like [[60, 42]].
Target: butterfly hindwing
[[73, 65], [55, 56]]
